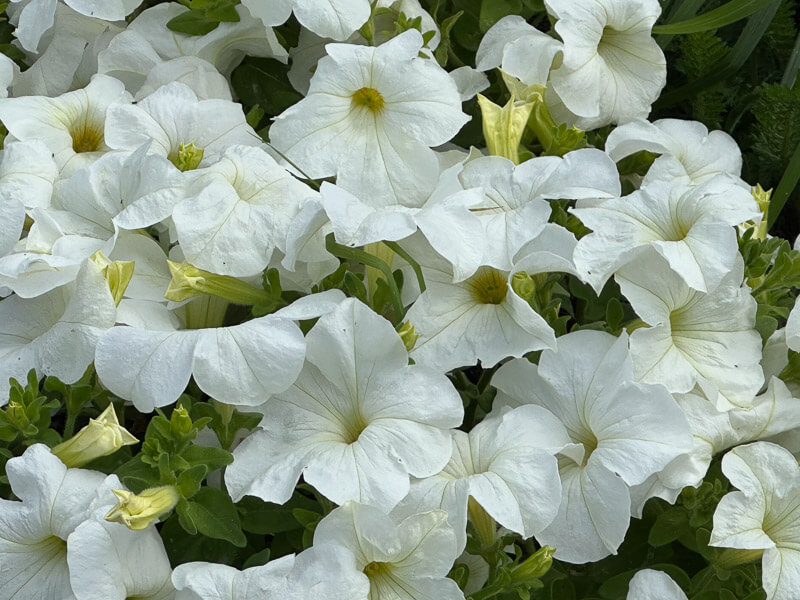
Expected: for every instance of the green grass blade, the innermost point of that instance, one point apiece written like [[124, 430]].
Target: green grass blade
[[733, 11], [785, 188], [752, 33]]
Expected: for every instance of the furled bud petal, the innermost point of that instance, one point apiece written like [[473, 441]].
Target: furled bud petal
[[117, 273], [406, 332], [503, 126], [101, 437], [139, 511], [535, 566], [189, 281]]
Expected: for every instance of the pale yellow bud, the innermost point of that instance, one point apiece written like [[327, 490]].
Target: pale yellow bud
[[117, 273], [101, 437], [406, 332], [139, 511], [188, 281], [503, 126]]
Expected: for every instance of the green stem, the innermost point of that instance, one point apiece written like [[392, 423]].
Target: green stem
[[395, 247], [368, 260]]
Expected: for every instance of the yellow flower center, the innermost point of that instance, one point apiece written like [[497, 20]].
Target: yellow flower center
[[488, 286], [369, 98], [86, 136], [376, 568]]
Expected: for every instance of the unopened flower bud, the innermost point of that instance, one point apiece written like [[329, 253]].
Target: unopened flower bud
[[535, 566], [117, 273], [101, 437], [523, 285], [406, 332], [189, 281], [139, 511]]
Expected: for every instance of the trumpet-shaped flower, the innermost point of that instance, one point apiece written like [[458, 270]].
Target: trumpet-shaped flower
[[71, 125], [772, 413], [406, 560], [224, 46], [483, 317], [36, 533], [514, 208], [764, 514], [242, 365], [323, 571], [519, 49], [336, 19], [358, 421], [694, 338], [690, 226], [189, 132], [55, 333], [240, 213], [370, 117], [687, 149], [507, 465], [623, 432], [612, 69]]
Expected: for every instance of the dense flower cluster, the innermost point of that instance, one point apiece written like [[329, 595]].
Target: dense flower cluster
[[140, 210]]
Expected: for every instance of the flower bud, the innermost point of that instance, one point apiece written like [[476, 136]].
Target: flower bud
[[406, 332], [189, 281], [139, 511], [117, 273], [535, 566], [101, 437], [503, 126]]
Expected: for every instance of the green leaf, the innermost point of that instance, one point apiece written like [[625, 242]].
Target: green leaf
[[212, 458], [752, 33], [669, 526], [258, 559], [192, 23], [266, 518], [733, 11], [264, 82], [190, 480], [494, 10], [210, 512]]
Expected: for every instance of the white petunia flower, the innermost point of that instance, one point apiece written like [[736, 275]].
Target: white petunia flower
[[36, 533], [519, 49], [694, 338], [324, 571], [71, 125], [483, 317], [624, 432], [240, 213], [514, 207], [690, 226], [370, 118], [55, 333], [357, 422], [108, 561], [506, 464], [764, 514], [224, 47], [408, 560], [612, 69], [335, 19], [687, 149], [773, 413], [649, 584], [173, 117], [242, 364]]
